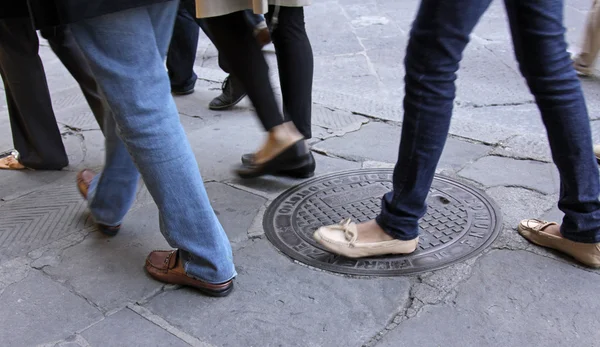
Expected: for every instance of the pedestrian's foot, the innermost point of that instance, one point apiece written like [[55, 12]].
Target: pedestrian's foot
[[547, 234], [597, 152], [84, 178], [232, 93], [181, 92], [285, 149], [167, 267], [363, 240], [10, 161], [582, 69], [303, 171]]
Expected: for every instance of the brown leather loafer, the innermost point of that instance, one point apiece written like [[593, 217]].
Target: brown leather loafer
[[84, 178], [167, 267]]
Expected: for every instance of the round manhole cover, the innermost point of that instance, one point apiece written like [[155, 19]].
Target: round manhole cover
[[460, 222]]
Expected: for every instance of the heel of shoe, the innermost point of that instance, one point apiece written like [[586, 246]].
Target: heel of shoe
[[304, 170]]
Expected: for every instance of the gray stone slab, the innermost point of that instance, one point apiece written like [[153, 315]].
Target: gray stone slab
[[517, 204], [347, 74], [235, 209], [219, 147], [38, 310], [380, 142], [40, 217], [499, 171], [332, 33], [376, 108], [531, 146], [279, 303], [374, 141], [15, 182], [494, 124], [133, 330], [109, 271], [513, 298], [275, 185], [458, 153], [335, 122], [553, 215]]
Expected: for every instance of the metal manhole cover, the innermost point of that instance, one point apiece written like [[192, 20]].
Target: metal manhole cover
[[460, 222]]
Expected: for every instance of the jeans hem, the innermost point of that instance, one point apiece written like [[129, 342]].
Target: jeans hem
[[399, 235]]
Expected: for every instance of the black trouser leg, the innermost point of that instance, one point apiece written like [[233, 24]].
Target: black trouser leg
[[33, 124]]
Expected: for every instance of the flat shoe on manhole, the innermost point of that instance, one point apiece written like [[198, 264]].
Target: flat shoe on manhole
[[460, 223]]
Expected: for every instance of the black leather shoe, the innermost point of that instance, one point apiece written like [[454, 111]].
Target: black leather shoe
[[295, 157], [305, 171], [233, 93]]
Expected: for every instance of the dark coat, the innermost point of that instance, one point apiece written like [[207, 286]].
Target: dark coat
[[48, 13], [13, 9]]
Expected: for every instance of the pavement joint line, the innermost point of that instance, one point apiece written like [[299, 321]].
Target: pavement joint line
[[268, 196], [71, 289], [160, 322], [414, 304], [371, 66]]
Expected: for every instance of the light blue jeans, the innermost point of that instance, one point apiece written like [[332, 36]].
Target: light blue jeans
[[126, 51]]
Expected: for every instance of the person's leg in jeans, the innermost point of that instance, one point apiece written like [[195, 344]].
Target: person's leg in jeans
[[539, 40], [295, 63], [35, 133], [126, 51], [438, 38], [64, 46], [584, 61], [182, 53]]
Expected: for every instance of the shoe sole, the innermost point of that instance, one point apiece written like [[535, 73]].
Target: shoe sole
[[319, 240], [205, 291], [185, 92], [217, 108]]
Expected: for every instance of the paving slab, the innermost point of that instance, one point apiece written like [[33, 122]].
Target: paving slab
[[334, 35], [499, 171], [133, 330], [15, 182], [359, 145], [235, 209], [218, 147], [517, 204], [497, 123], [513, 298], [531, 146], [38, 310], [279, 303], [109, 271], [39, 217]]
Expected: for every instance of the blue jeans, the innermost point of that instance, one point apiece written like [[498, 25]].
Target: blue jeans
[[439, 35], [126, 51]]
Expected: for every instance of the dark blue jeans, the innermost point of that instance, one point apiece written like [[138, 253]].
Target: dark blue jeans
[[439, 35], [182, 50]]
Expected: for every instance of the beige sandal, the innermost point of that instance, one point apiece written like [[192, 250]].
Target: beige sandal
[[342, 239], [586, 253], [11, 162]]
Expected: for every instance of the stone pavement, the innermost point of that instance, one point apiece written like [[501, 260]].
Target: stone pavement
[[64, 284]]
